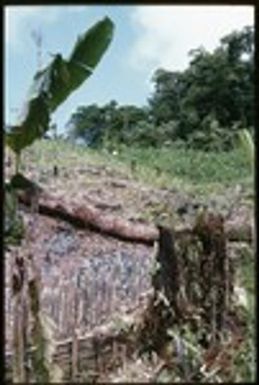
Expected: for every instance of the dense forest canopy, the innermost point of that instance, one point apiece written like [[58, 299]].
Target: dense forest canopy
[[201, 107]]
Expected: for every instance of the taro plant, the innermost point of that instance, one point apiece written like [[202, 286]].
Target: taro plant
[[50, 88]]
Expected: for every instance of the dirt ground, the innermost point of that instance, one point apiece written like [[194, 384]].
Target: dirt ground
[[87, 278]]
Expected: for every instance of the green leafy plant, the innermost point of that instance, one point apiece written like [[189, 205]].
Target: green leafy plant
[[247, 143], [52, 86]]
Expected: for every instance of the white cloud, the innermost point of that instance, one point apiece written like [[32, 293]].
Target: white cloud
[[167, 33]]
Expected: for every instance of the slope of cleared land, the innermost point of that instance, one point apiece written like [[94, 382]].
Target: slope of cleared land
[[140, 188]]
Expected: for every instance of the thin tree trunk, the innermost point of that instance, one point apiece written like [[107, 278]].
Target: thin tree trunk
[[18, 324], [19, 348]]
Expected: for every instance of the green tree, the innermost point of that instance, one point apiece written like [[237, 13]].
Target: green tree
[[216, 87], [164, 104], [203, 105], [87, 123], [110, 123]]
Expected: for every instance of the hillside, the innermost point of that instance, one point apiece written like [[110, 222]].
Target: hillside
[[114, 275]]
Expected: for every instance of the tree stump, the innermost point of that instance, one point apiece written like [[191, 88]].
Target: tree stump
[[192, 283]]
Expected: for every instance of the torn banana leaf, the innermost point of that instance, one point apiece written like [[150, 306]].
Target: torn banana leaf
[[34, 124], [52, 85]]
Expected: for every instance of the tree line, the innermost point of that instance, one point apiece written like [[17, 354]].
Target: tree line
[[201, 107]]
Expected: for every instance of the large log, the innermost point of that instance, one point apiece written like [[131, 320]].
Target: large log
[[89, 216]]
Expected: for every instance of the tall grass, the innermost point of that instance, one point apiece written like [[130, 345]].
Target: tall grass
[[190, 170], [192, 165], [165, 167]]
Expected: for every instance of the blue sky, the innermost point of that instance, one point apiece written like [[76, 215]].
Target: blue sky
[[146, 38]]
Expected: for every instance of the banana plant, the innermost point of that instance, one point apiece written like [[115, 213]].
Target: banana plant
[[50, 88], [53, 85], [247, 143]]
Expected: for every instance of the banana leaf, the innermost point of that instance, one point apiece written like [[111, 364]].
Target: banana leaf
[[52, 85], [247, 143], [35, 123]]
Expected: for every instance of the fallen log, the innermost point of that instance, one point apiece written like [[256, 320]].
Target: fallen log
[[93, 218], [88, 216]]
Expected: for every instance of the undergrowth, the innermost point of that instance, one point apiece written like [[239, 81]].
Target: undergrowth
[[165, 168], [191, 170]]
